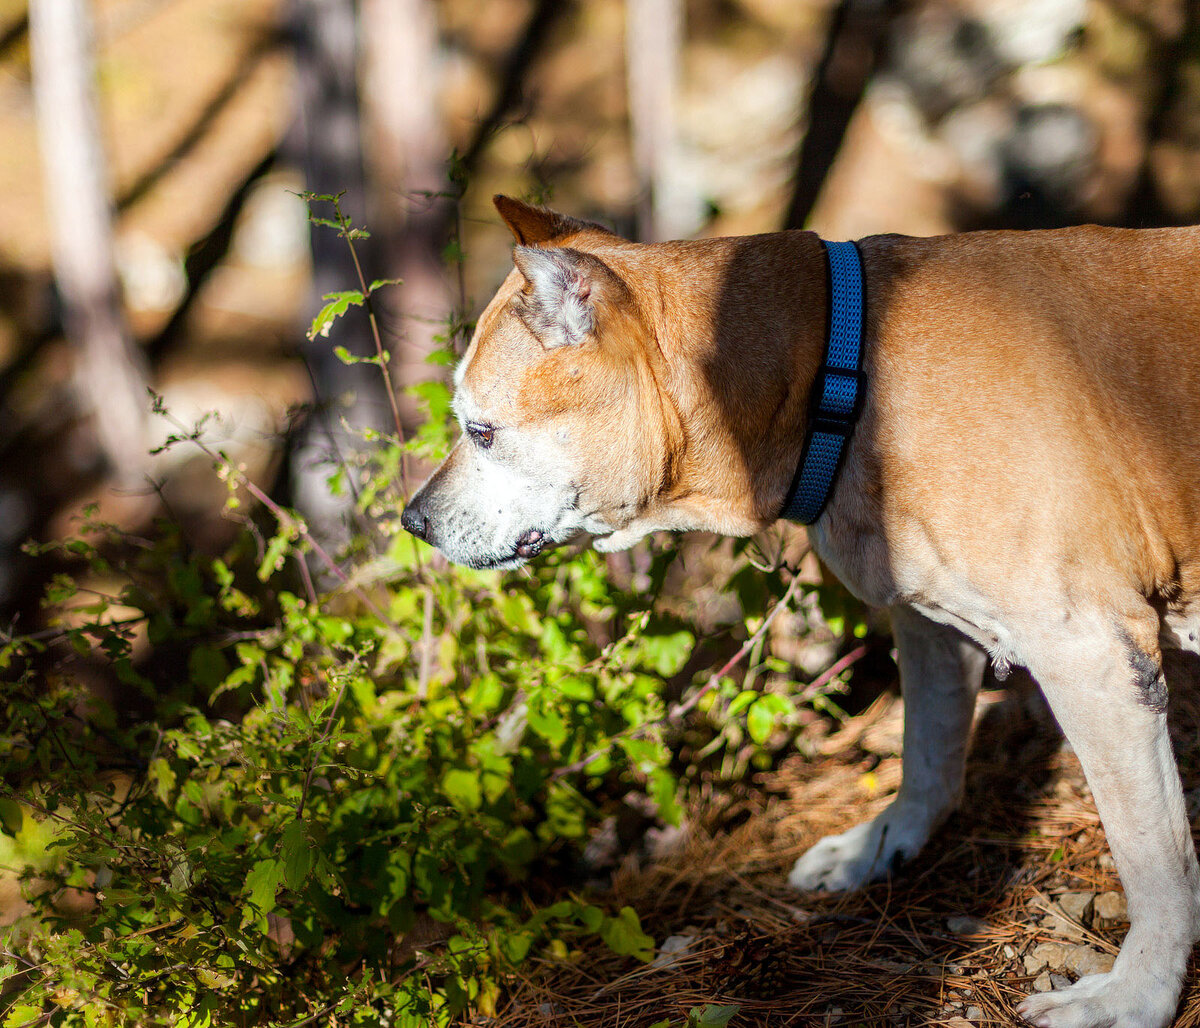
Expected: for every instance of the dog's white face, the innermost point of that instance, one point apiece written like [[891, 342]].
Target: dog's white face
[[556, 431]]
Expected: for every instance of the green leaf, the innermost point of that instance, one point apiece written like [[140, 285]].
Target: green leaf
[[760, 721], [11, 816], [547, 723], [515, 945], [276, 550], [711, 1015], [462, 788], [21, 1015], [338, 304], [296, 853], [61, 588], [162, 777], [263, 883], [666, 654], [623, 935], [742, 700]]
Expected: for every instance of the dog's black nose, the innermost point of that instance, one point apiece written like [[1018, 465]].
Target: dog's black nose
[[414, 520]]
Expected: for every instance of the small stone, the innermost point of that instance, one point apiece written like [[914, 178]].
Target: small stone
[[1084, 960], [1060, 981], [1045, 954], [1110, 906], [1009, 952], [1077, 905], [1042, 982], [1057, 923], [974, 1014], [1106, 861], [960, 924], [672, 950]]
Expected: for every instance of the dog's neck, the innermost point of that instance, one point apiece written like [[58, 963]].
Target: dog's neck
[[733, 318]]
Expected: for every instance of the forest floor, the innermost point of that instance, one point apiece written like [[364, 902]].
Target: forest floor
[[1017, 893]]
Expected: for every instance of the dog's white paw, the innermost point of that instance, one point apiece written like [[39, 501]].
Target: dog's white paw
[[1104, 1001], [839, 863]]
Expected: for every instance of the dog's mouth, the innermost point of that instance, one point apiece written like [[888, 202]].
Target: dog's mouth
[[531, 543], [528, 545]]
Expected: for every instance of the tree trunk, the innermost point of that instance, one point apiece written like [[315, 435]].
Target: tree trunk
[[653, 37], [111, 380], [326, 142], [407, 160]]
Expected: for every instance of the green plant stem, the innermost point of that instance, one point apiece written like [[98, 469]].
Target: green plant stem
[[375, 334], [677, 712], [285, 518]]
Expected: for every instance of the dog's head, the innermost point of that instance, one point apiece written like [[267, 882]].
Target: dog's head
[[562, 427]]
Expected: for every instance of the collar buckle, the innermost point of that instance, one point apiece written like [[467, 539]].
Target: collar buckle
[[838, 393]]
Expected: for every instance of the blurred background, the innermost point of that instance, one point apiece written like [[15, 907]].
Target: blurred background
[[152, 153]]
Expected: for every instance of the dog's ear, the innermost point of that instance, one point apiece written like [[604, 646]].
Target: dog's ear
[[559, 303], [533, 225]]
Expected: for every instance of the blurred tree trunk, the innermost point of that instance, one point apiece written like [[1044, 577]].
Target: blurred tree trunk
[[854, 45], [653, 38], [407, 150], [326, 142], [110, 376]]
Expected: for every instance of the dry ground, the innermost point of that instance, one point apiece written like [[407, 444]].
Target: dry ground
[[956, 938]]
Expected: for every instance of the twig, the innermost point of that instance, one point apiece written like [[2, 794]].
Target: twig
[[714, 680], [426, 667], [312, 766], [676, 713], [374, 322], [284, 517], [830, 673]]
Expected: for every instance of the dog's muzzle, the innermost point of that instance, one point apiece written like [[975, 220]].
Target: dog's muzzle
[[416, 519]]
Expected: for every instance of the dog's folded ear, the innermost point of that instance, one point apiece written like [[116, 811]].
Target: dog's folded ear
[[559, 305], [533, 225]]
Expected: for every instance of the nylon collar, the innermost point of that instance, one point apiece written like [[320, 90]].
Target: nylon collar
[[838, 392]]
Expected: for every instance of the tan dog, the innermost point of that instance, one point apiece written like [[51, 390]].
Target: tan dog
[[1024, 485]]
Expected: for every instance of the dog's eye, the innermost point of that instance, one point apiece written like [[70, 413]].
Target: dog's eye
[[482, 434]]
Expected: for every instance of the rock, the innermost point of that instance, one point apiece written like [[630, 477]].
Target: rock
[[1009, 952], [1045, 954], [1057, 923], [1043, 983], [1077, 905], [1110, 906], [974, 1014], [672, 949], [1060, 981], [1084, 960], [960, 924]]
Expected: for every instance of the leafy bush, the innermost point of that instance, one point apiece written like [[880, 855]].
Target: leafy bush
[[305, 806]]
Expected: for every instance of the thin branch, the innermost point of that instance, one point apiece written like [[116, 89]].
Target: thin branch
[[676, 713], [283, 517]]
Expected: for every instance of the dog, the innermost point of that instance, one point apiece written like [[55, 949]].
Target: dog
[[1022, 486]]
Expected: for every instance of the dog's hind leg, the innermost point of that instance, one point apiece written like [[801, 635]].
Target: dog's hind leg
[[940, 672], [1107, 690]]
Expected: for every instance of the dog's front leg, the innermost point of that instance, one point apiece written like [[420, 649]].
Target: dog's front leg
[[940, 672], [1110, 699]]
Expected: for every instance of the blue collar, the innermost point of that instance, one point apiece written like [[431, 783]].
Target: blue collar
[[838, 392]]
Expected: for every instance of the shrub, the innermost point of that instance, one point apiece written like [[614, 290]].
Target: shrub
[[329, 807]]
